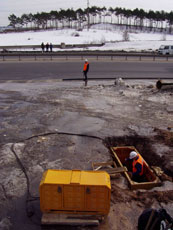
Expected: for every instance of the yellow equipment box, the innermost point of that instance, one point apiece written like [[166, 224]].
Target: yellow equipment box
[[69, 191]]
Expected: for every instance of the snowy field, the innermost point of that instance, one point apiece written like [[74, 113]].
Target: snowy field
[[113, 39]]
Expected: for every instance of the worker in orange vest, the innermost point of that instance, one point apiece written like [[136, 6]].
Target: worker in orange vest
[[137, 166], [85, 69]]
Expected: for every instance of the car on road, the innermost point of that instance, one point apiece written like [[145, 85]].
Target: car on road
[[165, 49]]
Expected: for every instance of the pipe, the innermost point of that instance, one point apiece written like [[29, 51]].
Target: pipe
[[159, 84]]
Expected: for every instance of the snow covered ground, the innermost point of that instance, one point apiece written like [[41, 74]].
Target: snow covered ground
[[113, 39]]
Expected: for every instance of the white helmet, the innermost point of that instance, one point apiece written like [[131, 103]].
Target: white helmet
[[132, 155], [86, 60]]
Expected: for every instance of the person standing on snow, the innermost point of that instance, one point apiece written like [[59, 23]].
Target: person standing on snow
[[51, 47], [86, 69], [42, 47], [47, 47]]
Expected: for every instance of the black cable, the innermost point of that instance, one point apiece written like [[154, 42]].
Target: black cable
[[23, 169], [30, 198], [39, 135], [63, 133]]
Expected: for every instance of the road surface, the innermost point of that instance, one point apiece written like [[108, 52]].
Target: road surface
[[73, 69]]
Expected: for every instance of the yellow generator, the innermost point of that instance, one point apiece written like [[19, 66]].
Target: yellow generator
[[75, 191]]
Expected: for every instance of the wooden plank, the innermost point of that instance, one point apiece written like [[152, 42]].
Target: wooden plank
[[135, 185], [103, 163], [121, 165], [116, 157], [99, 165], [63, 219], [112, 170], [146, 185], [117, 170]]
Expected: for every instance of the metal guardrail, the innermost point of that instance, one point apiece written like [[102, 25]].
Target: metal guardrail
[[65, 55], [60, 46]]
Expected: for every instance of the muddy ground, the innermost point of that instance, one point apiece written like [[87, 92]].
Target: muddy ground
[[65, 125]]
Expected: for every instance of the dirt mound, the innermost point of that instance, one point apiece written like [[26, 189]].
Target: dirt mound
[[165, 136], [145, 147], [144, 198]]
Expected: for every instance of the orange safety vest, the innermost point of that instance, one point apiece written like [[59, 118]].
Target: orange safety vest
[[85, 66], [140, 161]]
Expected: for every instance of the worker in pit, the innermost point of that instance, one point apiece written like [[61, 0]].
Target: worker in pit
[[137, 173], [86, 69]]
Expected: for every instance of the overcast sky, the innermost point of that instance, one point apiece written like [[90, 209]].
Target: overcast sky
[[18, 7]]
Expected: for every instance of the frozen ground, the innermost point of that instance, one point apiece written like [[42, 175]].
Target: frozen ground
[[113, 39], [40, 118]]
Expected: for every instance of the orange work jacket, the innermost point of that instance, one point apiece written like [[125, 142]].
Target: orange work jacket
[[85, 66], [140, 161]]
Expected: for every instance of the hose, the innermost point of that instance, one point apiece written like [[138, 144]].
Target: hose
[[29, 197]]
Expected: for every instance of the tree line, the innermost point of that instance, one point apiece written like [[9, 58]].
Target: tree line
[[81, 18]]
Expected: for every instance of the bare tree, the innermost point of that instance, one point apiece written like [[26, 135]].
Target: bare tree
[[126, 36]]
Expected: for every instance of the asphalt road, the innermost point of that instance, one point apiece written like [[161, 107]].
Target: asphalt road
[[73, 69]]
